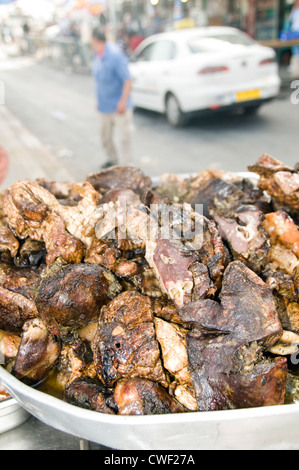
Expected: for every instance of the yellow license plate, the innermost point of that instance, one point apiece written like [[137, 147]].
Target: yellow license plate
[[248, 95]]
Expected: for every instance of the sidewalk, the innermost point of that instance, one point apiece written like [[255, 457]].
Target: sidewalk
[[29, 159]]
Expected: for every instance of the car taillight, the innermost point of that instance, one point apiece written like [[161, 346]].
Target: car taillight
[[269, 61], [212, 70]]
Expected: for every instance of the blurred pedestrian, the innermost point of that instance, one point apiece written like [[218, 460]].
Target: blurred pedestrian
[[135, 40], [113, 86], [4, 164]]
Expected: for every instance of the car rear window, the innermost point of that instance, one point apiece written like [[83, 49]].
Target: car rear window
[[218, 41]]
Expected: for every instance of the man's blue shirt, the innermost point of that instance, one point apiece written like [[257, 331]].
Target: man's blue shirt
[[110, 71]]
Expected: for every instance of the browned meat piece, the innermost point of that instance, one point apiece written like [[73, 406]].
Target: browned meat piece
[[38, 352], [268, 165], [143, 397], [15, 310], [103, 254], [188, 271], [32, 212], [172, 340], [123, 196], [166, 311], [282, 229], [89, 394], [62, 191], [280, 182], [246, 237], [126, 268], [175, 187], [60, 245], [118, 178], [223, 194], [74, 294], [227, 341], [75, 361], [8, 242], [127, 226], [126, 345], [289, 313], [9, 345], [285, 285], [31, 254]]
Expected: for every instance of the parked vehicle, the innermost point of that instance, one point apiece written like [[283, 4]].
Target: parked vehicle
[[182, 73]]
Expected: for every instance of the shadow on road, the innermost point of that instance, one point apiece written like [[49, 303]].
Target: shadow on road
[[219, 121]]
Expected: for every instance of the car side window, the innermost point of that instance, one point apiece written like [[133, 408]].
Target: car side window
[[163, 50], [145, 54]]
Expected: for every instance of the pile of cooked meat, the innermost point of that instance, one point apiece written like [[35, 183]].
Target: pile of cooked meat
[[107, 306]]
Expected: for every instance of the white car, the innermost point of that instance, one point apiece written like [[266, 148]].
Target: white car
[[189, 71]]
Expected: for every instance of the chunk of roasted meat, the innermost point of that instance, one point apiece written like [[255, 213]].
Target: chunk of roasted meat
[[33, 212], [9, 245], [74, 294], [226, 344], [222, 194], [172, 340], [284, 239], [142, 397], [38, 352], [17, 305], [119, 178], [187, 269], [246, 236], [75, 362], [89, 394], [126, 344], [280, 181]]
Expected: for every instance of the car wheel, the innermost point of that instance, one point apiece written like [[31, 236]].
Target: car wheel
[[252, 110], [174, 114]]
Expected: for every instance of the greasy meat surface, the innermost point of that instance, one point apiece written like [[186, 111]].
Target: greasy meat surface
[[74, 294], [143, 397], [34, 212], [38, 352], [15, 310], [223, 194], [75, 361], [89, 394], [226, 344], [280, 182], [118, 178], [245, 234], [8, 242], [32, 253], [126, 344], [188, 270]]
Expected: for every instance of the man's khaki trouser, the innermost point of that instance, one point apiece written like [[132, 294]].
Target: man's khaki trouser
[[121, 125]]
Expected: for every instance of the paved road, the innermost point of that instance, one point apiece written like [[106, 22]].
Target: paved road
[[60, 110]]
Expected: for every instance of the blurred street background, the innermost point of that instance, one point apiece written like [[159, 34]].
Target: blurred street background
[[50, 125]]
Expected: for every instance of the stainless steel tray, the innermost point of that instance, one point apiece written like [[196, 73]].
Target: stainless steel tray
[[12, 415], [268, 428]]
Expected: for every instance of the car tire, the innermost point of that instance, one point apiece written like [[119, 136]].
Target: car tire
[[174, 114], [252, 110]]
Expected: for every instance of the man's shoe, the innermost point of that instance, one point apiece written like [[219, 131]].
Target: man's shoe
[[107, 165]]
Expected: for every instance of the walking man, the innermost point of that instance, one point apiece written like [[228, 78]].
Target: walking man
[[113, 86]]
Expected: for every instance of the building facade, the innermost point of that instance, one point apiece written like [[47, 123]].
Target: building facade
[[262, 19]]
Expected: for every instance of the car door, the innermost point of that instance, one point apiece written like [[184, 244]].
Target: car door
[[139, 70], [153, 74]]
